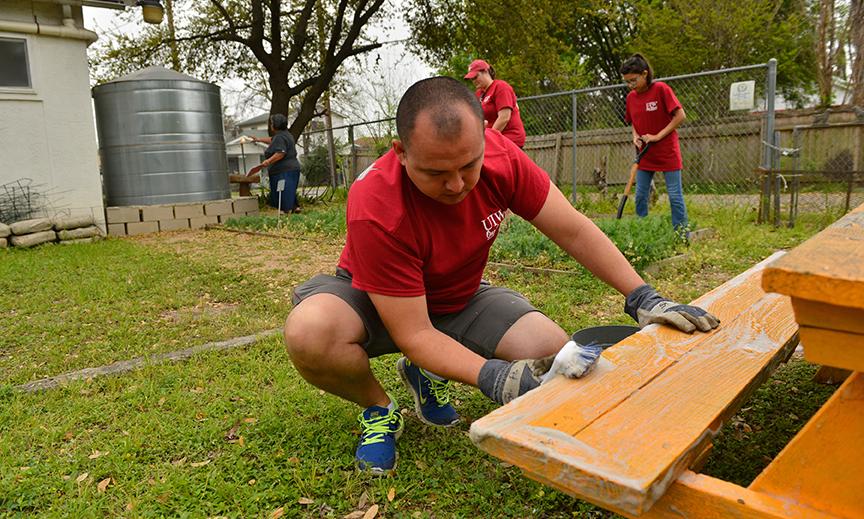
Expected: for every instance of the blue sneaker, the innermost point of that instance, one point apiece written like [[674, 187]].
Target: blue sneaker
[[379, 430], [431, 396]]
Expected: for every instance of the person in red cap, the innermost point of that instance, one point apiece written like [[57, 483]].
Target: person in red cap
[[500, 109]]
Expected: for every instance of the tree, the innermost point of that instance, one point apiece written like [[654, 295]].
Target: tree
[[280, 47], [826, 51], [685, 36], [856, 24]]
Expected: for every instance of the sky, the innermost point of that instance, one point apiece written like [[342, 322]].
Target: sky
[[400, 68]]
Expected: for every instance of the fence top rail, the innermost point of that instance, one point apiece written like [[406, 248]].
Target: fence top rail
[[343, 126], [670, 78]]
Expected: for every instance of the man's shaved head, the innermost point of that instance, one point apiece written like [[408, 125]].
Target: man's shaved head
[[445, 98]]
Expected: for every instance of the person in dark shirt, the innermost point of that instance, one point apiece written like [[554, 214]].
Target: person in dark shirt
[[281, 163]]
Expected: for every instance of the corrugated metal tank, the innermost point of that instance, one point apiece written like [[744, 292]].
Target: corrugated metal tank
[[160, 139]]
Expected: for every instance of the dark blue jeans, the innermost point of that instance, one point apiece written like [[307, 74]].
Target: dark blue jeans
[[289, 195]]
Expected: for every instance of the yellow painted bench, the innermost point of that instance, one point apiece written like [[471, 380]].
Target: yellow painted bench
[[627, 436]]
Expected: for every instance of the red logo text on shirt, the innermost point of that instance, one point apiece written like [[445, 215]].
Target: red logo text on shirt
[[492, 222]]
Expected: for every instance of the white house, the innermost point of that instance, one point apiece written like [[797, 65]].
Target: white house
[[47, 131], [242, 155]]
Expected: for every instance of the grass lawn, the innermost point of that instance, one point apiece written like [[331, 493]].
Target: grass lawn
[[238, 433]]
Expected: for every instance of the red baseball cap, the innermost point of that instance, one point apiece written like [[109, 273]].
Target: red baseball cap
[[478, 65]]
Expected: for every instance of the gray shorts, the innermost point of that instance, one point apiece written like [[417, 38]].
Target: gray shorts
[[479, 326]]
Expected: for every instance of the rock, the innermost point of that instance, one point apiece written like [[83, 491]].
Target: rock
[[4, 230], [31, 226], [33, 239], [72, 222], [3, 243], [77, 234]]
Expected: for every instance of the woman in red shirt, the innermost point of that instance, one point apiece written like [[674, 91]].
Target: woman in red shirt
[[655, 113], [498, 99]]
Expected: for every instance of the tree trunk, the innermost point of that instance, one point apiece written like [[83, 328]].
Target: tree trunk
[[856, 22], [825, 51]]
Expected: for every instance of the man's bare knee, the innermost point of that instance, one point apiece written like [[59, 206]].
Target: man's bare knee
[[319, 324]]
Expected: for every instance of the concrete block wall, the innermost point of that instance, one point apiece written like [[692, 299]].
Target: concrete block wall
[[129, 221]]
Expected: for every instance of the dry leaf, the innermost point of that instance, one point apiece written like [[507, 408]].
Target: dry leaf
[[364, 500], [231, 435], [179, 462], [161, 401], [305, 501], [197, 389], [391, 494], [97, 454], [69, 435], [250, 420], [251, 482], [276, 514], [66, 477], [241, 441], [82, 477], [293, 459], [130, 506], [372, 512], [103, 484], [199, 463], [356, 514]]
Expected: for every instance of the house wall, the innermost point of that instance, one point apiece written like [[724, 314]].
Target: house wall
[[47, 132]]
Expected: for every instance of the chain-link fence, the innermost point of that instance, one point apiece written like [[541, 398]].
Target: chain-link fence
[[728, 113], [731, 145], [817, 166]]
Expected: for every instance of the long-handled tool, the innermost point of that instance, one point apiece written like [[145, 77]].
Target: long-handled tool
[[633, 169]]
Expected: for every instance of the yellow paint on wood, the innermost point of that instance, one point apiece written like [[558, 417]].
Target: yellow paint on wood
[[828, 267], [699, 496], [621, 436], [832, 348], [822, 466], [823, 315]]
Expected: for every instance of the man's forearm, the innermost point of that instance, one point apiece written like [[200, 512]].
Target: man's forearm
[[436, 352]]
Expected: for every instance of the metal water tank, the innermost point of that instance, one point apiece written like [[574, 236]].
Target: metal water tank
[[160, 139]]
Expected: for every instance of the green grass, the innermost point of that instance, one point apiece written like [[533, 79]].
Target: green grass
[[70, 307], [326, 220], [161, 434]]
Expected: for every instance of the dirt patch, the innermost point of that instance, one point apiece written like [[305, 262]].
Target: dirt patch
[[280, 262]]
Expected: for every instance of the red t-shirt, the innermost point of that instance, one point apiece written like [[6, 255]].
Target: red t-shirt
[[497, 97], [402, 243], [650, 112]]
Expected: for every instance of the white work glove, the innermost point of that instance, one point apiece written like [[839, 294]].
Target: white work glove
[[646, 307], [503, 381]]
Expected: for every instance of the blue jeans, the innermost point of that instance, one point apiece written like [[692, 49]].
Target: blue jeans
[[289, 195], [673, 188]]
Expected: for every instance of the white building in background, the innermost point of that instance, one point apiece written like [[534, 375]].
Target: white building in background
[[47, 131], [243, 155]]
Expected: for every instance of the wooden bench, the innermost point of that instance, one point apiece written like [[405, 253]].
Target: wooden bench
[[629, 436]]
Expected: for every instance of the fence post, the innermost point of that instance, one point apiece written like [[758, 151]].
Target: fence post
[[775, 165], [353, 156], [768, 150], [575, 169]]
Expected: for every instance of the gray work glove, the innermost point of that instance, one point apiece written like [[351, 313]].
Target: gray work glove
[[646, 307], [503, 381]]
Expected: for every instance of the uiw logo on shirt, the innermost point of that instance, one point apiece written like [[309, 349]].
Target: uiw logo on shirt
[[492, 222], [651, 106]]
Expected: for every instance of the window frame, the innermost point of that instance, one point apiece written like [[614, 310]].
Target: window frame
[[27, 58]]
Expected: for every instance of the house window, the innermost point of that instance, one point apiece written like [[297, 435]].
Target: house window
[[14, 69]]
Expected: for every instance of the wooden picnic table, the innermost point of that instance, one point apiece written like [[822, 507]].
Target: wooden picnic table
[[631, 435]]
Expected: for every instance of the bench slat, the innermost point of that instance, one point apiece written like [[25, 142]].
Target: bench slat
[[828, 267], [824, 315], [586, 435], [831, 348], [822, 466]]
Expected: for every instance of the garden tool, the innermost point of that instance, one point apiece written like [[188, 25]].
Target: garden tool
[[633, 169]]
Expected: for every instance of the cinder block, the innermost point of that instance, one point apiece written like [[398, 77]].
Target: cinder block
[[134, 228], [201, 221], [246, 204], [122, 214], [218, 208], [188, 210], [173, 225], [116, 229], [157, 212]]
